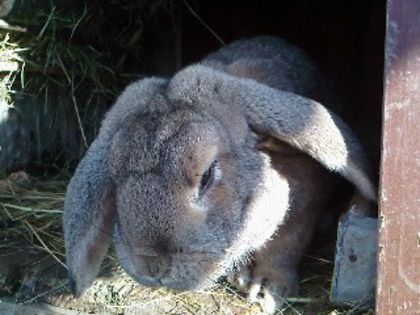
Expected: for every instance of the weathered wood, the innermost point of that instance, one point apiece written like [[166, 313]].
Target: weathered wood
[[398, 290]]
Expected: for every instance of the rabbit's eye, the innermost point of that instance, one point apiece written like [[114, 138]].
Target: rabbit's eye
[[207, 178]]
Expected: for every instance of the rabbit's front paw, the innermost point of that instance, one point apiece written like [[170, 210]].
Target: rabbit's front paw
[[268, 287]]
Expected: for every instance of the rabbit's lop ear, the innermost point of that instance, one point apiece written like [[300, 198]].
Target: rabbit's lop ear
[[89, 208], [88, 217], [299, 121]]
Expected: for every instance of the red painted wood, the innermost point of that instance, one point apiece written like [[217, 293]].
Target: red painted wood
[[398, 290]]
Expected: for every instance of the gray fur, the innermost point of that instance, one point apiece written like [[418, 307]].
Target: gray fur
[[248, 106], [89, 206]]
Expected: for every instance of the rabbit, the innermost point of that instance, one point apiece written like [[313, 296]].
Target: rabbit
[[221, 170]]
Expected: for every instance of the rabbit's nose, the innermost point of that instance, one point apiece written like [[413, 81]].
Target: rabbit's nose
[[157, 266]]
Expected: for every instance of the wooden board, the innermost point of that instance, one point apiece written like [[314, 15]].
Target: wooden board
[[398, 290]]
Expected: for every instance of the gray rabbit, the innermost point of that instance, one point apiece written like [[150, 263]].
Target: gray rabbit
[[225, 166]]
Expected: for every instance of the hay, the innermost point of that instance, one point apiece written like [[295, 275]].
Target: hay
[[62, 65], [10, 66], [32, 211]]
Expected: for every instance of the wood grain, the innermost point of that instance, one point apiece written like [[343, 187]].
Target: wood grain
[[398, 290]]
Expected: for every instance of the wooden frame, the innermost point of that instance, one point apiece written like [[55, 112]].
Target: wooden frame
[[398, 290]]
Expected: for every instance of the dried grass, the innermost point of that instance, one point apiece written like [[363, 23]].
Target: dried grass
[[11, 65], [62, 63]]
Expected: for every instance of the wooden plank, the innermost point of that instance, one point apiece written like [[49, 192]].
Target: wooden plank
[[398, 290]]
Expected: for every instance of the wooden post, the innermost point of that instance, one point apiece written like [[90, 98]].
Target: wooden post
[[398, 290]]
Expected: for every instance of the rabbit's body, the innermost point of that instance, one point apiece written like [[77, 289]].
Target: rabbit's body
[[274, 62], [220, 164]]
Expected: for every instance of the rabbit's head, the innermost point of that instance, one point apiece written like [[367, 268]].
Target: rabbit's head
[[186, 184], [175, 177]]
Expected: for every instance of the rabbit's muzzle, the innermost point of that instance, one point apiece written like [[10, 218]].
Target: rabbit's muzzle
[[153, 269], [175, 270]]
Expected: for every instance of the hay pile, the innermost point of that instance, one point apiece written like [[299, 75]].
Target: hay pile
[[62, 64]]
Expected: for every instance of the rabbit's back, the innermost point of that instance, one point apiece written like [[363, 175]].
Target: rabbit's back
[[276, 63]]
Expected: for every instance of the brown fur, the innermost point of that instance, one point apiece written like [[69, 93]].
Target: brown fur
[[311, 187]]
